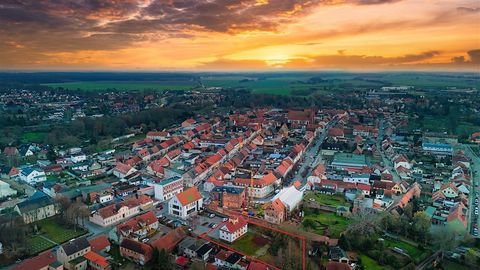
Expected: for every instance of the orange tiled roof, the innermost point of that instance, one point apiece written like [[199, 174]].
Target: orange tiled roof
[[96, 258], [188, 196]]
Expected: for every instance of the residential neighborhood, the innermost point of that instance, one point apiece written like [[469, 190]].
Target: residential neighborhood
[[268, 188]]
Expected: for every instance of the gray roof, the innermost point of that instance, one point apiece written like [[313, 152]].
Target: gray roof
[[75, 246], [38, 200]]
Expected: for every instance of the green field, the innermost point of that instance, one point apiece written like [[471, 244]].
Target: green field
[[247, 245], [35, 137], [126, 85], [325, 223], [38, 244], [57, 233], [415, 253], [324, 199], [370, 264]]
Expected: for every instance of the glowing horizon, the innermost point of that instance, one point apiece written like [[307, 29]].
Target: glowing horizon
[[227, 35]]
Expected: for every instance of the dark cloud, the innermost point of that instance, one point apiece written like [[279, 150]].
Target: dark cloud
[[468, 9], [474, 56]]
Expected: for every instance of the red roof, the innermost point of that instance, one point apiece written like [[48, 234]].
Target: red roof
[[38, 262], [257, 266], [182, 261], [99, 243], [10, 151], [157, 134], [188, 196], [336, 132], [96, 259], [122, 168], [170, 240], [138, 222], [234, 224]]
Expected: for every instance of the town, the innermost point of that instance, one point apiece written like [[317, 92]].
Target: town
[[258, 188]]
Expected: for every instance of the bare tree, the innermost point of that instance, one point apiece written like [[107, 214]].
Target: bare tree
[[364, 223]]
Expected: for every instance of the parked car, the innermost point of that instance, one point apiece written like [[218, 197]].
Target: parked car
[[211, 215]]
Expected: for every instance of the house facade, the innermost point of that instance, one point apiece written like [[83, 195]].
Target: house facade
[[233, 229], [186, 203]]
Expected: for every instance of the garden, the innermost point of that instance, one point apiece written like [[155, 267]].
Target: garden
[[324, 223]]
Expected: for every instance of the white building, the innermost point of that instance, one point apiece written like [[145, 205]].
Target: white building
[[32, 175], [290, 197], [186, 203], [116, 213], [360, 178], [78, 158], [167, 188], [5, 190], [233, 229]]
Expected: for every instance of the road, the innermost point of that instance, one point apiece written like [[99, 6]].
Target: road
[[386, 162], [311, 158], [474, 173]]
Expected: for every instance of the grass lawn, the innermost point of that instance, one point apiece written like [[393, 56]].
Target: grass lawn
[[58, 233], [370, 264], [38, 244], [325, 223], [414, 252], [36, 137], [329, 200], [247, 244]]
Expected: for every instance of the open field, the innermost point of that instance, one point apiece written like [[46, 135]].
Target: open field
[[324, 199], [35, 137], [325, 223], [370, 264], [415, 253], [38, 244], [57, 233], [251, 243], [125, 85]]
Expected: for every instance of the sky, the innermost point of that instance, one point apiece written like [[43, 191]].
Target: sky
[[232, 35]]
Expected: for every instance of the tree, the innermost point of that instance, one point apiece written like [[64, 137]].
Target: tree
[[421, 226], [445, 239], [364, 223], [164, 262]]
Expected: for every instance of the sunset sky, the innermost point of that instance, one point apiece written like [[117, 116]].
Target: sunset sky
[[240, 34]]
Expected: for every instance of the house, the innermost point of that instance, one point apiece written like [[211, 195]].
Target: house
[[96, 261], [158, 135], [169, 241], [118, 212], [136, 251], [138, 227], [457, 218], [233, 229], [229, 260], [261, 188], [290, 197], [167, 188], [39, 206], [100, 244], [229, 196], [449, 190], [71, 254], [441, 149], [186, 203], [32, 175], [194, 248], [475, 138], [275, 212], [44, 261], [5, 190], [123, 170], [11, 151], [337, 254]]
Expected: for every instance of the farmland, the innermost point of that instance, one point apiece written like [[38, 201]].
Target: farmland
[[125, 85]]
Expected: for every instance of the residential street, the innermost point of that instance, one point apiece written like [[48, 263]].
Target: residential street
[[474, 170]]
